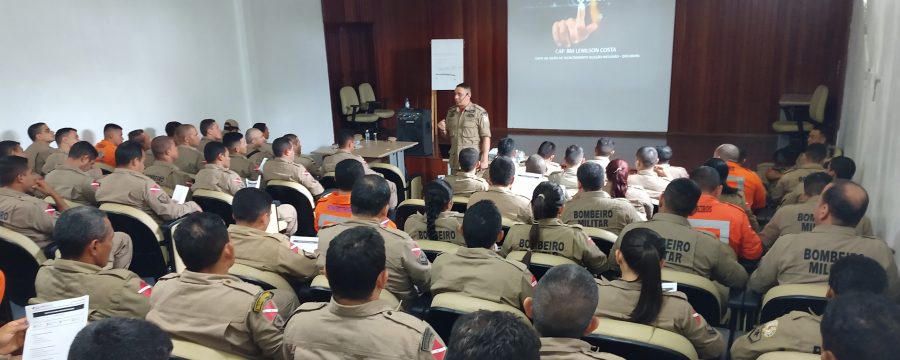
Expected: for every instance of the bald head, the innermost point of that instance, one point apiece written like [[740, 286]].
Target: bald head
[[728, 152], [254, 135], [535, 164], [843, 203]]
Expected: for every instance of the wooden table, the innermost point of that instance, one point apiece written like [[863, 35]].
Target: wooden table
[[393, 150]]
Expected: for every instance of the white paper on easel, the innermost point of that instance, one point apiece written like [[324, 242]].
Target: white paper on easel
[[179, 195], [446, 63], [52, 326]]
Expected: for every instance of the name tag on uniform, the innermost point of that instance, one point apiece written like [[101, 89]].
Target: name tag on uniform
[[669, 286]]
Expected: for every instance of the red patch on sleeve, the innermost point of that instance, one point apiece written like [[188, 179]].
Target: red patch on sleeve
[[533, 281], [50, 210], [438, 350], [296, 249], [697, 317], [145, 289], [155, 188], [416, 250], [270, 311], [95, 185]]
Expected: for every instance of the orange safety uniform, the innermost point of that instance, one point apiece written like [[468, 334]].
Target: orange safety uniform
[[335, 208], [729, 223], [749, 183], [2, 284], [107, 152]]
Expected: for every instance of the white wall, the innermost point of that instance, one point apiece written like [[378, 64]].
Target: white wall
[[141, 64], [869, 129]]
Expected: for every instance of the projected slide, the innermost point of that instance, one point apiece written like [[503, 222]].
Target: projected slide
[[590, 64]]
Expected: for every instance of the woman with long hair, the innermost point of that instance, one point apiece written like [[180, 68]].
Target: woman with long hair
[[617, 185], [548, 234], [730, 194], [438, 223], [638, 296]]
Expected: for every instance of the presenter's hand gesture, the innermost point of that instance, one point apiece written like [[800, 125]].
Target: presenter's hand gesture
[[442, 126], [568, 32]]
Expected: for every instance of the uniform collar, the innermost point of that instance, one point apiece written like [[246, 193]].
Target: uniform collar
[[626, 285], [39, 146], [812, 166], [166, 164], [73, 266], [647, 172], [367, 222], [566, 345], [476, 253], [601, 157], [215, 167], [467, 108], [188, 146], [236, 155], [280, 159], [467, 175], [338, 198], [599, 194], [345, 151], [64, 166], [834, 229], [132, 172], [812, 200], [363, 310], [249, 231], [500, 189], [708, 199], [671, 218], [205, 278], [5, 191], [551, 222]]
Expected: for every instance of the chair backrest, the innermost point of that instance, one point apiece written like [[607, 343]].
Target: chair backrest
[[320, 291], [348, 99], [406, 209], [415, 188], [783, 299], [295, 194], [505, 225], [328, 181], [183, 349], [788, 355], [20, 259], [446, 308], [460, 204], [366, 93], [146, 237], [216, 202], [817, 104], [603, 238], [433, 248], [638, 341], [393, 174], [701, 292], [265, 279], [540, 262]]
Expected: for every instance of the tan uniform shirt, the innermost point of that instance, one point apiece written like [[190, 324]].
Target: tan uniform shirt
[[217, 311], [552, 167], [256, 155], [279, 169], [692, 251], [114, 292], [600, 160], [618, 299], [652, 183], [55, 158], [572, 349], [567, 178], [797, 218], [190, 160], [599, 210], [406, 264], [271, 252], [674, 172], [203, 141], [807, 258], [37, 154], [374, 330], [511, 205], [796, 331], [149, 158], [557, 239], [310, 164], [465, 184], [27, 215], [217, 178], [447, 225], [73, 184], [243, 166], [167, 174], [791, 178], [466, 128], [483, 274], [128, 187]]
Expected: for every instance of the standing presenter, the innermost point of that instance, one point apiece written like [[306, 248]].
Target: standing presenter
[[467, 125]]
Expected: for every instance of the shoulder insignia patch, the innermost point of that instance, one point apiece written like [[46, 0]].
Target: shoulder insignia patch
[[145, 289], [261, 300], [769, 328]]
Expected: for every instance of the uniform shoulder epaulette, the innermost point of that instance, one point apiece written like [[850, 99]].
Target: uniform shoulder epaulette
[[328, 226], [399, 233], [518, 264], [576, 226], [706, 234], [168, 277], [248, 288], [309, 306], [405, 319], [123, 274], [794, 315]]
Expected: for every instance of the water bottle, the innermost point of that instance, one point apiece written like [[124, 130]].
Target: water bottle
[[367, 135], [406, 103]]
